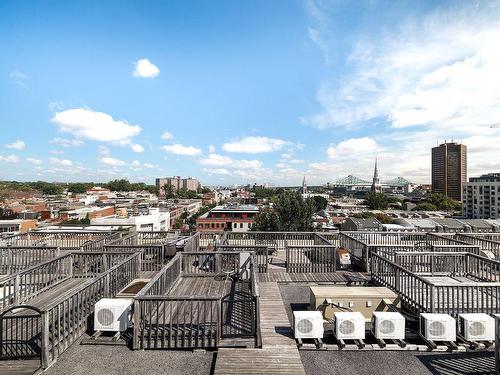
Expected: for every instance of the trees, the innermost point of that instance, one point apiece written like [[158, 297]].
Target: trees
[[376, 201], [437, 201], [289, 213], [48, 188], [319, 203]]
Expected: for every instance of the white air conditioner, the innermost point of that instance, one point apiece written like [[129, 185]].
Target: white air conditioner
[[477, 327], [308, 325], [349, 325], [438, 327], [388, 325], [112, 314]]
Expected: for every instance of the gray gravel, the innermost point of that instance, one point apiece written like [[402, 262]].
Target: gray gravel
[[388, 363], [120, 360]]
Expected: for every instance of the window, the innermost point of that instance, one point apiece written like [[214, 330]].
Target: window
[[241, 225]]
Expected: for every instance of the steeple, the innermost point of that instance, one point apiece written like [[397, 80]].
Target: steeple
[[304, 186], [376, 181]]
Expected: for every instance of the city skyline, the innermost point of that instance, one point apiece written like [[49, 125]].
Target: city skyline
[[242, 93]]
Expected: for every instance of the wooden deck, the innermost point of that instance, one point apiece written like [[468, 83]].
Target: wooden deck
[[338, 277], [201, 286], [279, 353], [16, 367]]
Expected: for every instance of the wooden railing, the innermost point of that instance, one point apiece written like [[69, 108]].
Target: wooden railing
[[422, 295], [65, 321], [483, 242], [497, 344], [314, 258], [23, 286], [387, 238], [262, 253], [63, 240], [15, 259], [166, 321], [271, 238], [357, 248]]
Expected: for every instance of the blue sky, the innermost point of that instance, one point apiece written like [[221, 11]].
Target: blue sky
[[243, 92]]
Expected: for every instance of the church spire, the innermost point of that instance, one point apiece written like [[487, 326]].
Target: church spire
[[376, 181], [304, 186]]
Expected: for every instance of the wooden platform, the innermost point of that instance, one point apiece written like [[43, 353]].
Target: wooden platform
[[279, 353], [19, 367], [338, 277], [201, 286]]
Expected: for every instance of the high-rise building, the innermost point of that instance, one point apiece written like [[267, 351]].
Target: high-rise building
[[177, 183], [376, 187], [481, 197], [449, 169]]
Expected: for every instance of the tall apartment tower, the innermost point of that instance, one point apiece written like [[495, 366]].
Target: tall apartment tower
[[449, 169]]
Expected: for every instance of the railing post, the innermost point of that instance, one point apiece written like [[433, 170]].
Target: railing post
[[17, 290], [45, 352], [137, 324], [218, 333]]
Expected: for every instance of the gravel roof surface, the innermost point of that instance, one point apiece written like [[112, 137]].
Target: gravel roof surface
[[120, 360]]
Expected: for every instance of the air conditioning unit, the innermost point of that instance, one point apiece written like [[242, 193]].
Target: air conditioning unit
[[477, 327], [112, 314], [349, 325], [388, 325], [438, 327], [308, 325]]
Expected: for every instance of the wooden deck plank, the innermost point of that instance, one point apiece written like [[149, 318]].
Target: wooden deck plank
[[279, 353]]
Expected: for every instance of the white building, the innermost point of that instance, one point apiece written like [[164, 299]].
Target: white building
[[156, 220], [481, 197]]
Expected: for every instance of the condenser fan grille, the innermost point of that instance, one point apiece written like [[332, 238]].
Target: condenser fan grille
[[105, 317], [477, 329], [386, 327], [304, 326], [346, 327], [437, 329]]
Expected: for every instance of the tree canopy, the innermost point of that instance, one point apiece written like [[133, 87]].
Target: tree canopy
[[376, 201], [289, 213]]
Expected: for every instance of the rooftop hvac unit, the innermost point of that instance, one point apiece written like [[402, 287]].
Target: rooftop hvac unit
[[349, 325], [477, 327], [308, 325], [388, 325], [112, 314], [438, 327]]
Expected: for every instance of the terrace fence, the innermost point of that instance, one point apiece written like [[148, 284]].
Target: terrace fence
[[407, 275], [157, 248], [166, 321], [15, 259], [63, 240], [486, 242], [45, 333]]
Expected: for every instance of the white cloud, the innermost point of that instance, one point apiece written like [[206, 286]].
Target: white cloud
[[61, 162], [17, 75], [178, 149], [111, 161], [211, 149], [55, 106], [34, 161], [412, 84], [167, 135], [255, 145], [218, 171], [97, 126], [136, 147], [17, 145], [226, 161], [352, 148], [56, 152], [103, 150], [145, 69], [10, 158], [296, 161], [67, 143]]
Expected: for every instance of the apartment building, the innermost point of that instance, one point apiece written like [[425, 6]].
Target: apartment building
[[177, 183], [86, 213], [481, 197], [230, 217], [154, 220], [449, 169], [17, 226]]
